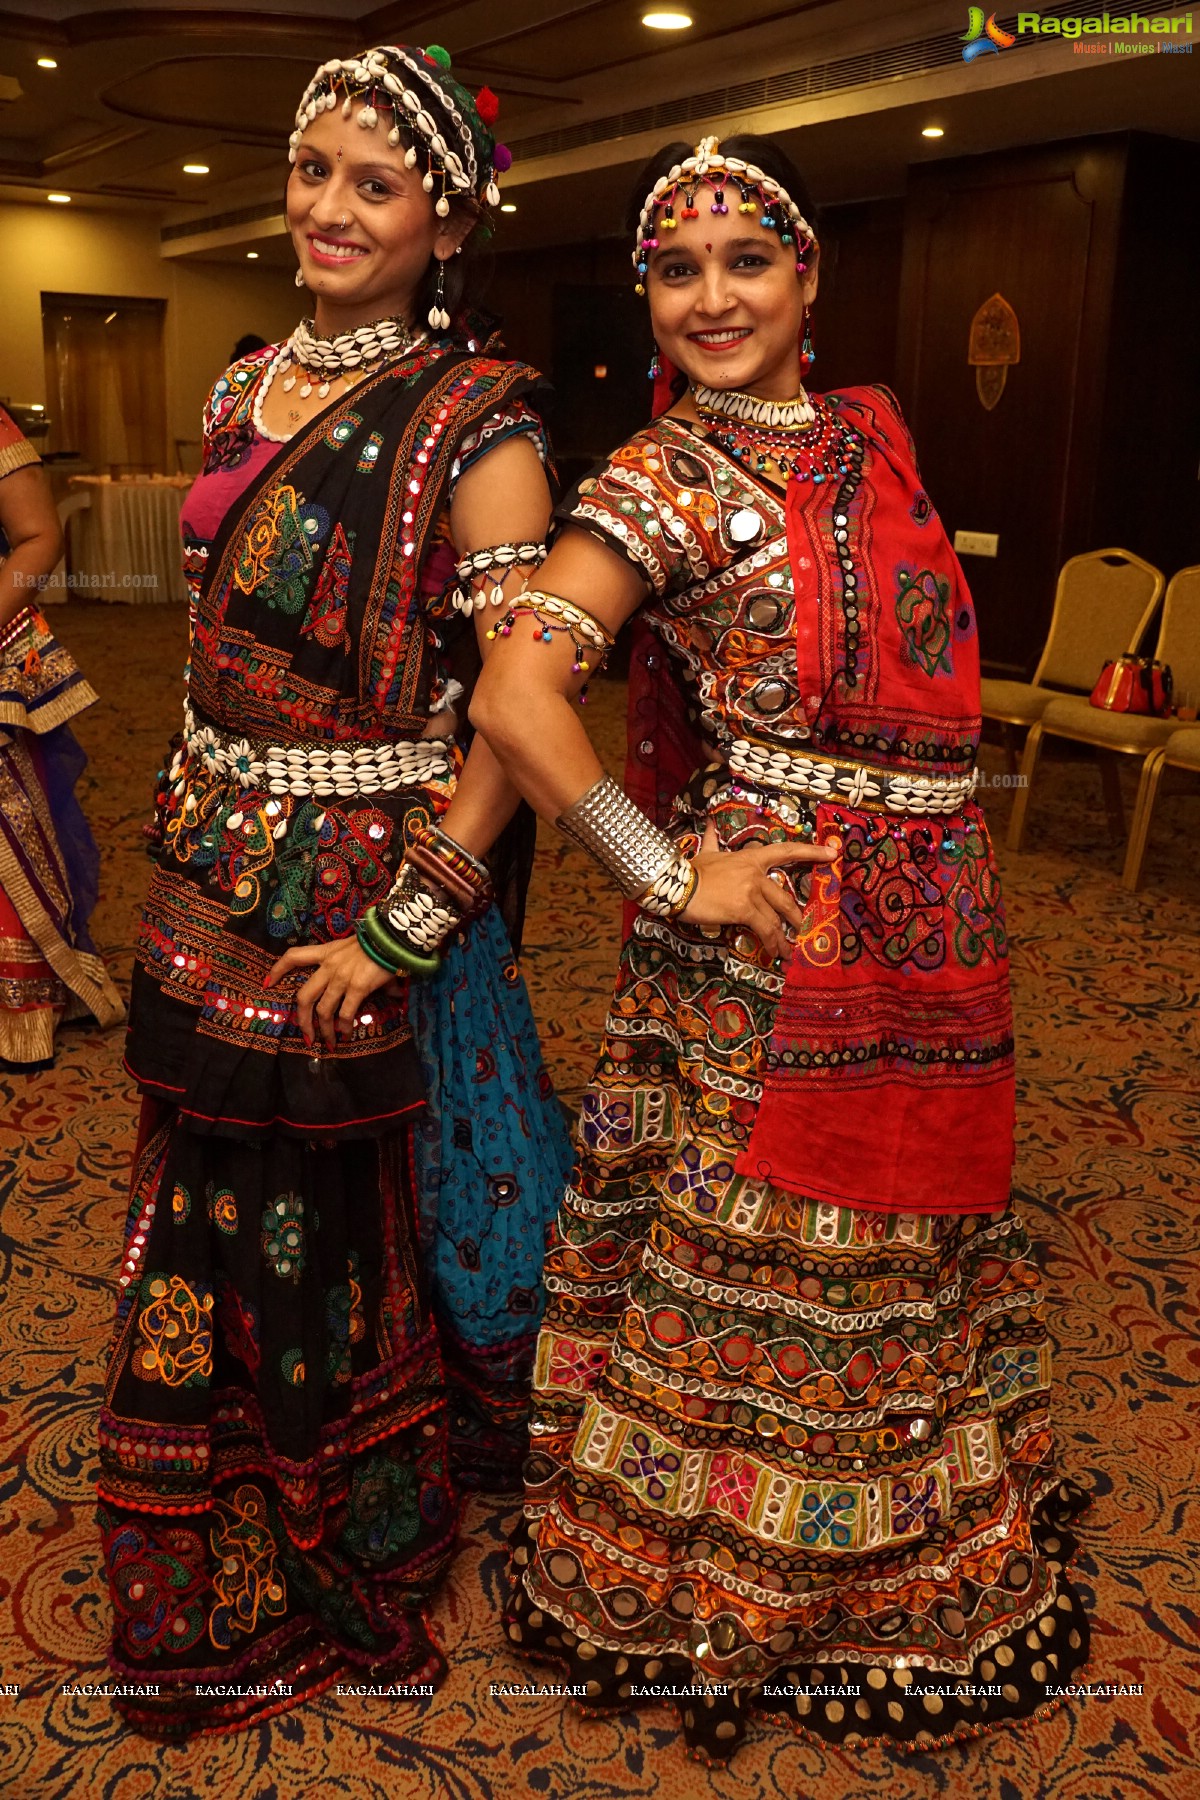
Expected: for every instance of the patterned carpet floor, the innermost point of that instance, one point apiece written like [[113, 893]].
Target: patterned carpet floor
[[1108, 1006]]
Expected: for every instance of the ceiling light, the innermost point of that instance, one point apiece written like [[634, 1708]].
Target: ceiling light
[[509, 206], [932, 131], [252, 256], [195, 168], [667, 21], [47, 62], [59, 199], [110, 318]]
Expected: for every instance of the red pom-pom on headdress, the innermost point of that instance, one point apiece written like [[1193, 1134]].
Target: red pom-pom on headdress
[[487, 106]]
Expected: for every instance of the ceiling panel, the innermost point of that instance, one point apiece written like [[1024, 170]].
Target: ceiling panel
[[210, 93], [142, 88], [595, 36]]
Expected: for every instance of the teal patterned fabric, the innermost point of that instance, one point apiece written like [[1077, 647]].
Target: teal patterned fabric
[[493, 1156]]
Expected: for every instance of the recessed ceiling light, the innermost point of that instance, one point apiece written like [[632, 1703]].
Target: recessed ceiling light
[[59, 199], [252, 256], [509, 206], [932, 131], [47, 62], [667, 21], [195, 168]]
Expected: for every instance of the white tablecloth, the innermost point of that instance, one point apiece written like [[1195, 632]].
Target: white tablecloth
[[125, 546]]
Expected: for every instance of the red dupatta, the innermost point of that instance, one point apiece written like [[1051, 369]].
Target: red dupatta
[[891, 1084]]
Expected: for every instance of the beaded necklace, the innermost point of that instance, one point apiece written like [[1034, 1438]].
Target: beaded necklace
[[320, 361], [817, 452], [785, 415]]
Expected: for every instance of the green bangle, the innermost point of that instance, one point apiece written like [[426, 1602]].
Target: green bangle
[[392, 952], [374, 955]]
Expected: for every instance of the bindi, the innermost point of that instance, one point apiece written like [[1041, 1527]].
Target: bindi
[[339, 154]]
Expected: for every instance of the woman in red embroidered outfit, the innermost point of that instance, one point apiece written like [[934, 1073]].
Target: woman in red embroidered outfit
[[48, 857], [330, 1299], [792, 1445]]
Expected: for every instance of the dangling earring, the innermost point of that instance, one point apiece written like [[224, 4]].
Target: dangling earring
[[299, 277], [808, 355], [655, 369], [439, 318]]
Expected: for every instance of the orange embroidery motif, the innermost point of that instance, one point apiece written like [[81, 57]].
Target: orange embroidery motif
[[245, 1581], [819, 941], [177, 1327]]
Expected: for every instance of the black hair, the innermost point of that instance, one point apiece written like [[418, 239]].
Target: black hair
[[246, 346], [464, 275], [763, 153]]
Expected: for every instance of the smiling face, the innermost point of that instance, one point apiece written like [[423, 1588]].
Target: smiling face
[[727, 303], [373, 265]]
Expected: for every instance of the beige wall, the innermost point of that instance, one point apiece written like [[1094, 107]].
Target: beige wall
[[65, 249]]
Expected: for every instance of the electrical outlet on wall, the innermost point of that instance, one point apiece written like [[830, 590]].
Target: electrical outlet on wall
[[976, 543]]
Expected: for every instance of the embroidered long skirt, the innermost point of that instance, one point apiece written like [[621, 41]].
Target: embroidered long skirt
[[273, 1470], [321, 1343], [787, 1455]]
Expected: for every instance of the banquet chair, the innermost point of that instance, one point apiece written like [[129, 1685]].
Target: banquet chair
[[1120, 734], [1103, 605], [1181, 751]]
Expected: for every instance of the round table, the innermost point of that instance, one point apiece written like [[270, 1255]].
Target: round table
[[125, 545]]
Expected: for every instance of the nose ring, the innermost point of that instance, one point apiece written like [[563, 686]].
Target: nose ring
[[342, 224]]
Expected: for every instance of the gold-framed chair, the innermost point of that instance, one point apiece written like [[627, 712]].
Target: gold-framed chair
[[1181, 751], [1120, 734], [1103, 605]]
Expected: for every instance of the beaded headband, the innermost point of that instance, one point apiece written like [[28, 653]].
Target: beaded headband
[[707, 167], [402, 80]]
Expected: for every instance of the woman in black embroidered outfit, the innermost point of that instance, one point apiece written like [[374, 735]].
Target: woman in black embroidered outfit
[[329, 1293]]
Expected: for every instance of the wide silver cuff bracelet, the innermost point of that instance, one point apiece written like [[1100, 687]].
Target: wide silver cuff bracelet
[[619, 835]]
